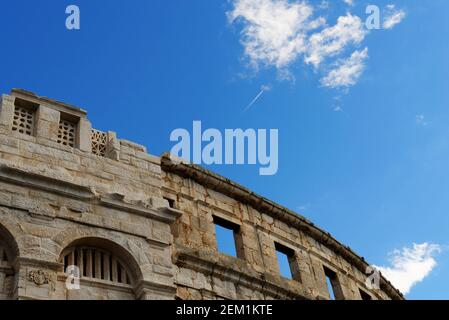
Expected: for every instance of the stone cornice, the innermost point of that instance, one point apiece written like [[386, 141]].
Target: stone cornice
[[31, 179], [104, 284], [143, 286], [163, 214], [220, 184], [209, 265], [61, 106], [37, 263], [27, 178]]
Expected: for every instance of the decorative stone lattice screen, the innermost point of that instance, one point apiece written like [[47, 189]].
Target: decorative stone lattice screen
[[99, 143], [67, 133], [23, 121], [98, 264]]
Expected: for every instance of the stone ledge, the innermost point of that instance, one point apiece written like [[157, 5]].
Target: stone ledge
[[144, 286], [99, 283], [162, 214], [60, 106], [263, 282], [28, 178], [30, 262]]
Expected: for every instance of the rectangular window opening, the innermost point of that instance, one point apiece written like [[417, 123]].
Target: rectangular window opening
[[333, 284], [99, 143], [68, 130], [171, 202], [288, 266], [228, 237], [24, 116]]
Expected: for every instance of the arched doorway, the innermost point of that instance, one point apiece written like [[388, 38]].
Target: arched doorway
[[99, 269], [8, 255]]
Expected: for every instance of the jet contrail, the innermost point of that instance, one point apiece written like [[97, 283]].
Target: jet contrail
[[262, 90]]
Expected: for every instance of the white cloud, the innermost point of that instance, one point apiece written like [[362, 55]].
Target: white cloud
[[421, 120], [332, 40], [279, 33], [275, 31], [347, 72], [392, 16], [303, 207], [338, 109], [324, 5], [411, 265]]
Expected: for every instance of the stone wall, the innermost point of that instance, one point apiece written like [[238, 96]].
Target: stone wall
[[65, 186], [52, 195], [262, 225]]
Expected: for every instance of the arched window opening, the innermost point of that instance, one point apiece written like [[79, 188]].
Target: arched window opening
[[8, 255], [96, 263], [3, 255]]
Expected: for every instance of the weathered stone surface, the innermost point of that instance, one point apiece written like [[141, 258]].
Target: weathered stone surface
[[142, 227]]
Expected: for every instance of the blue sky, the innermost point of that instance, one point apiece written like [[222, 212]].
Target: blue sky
[[367, 161]]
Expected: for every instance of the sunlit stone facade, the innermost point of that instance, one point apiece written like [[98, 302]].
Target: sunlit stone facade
[[137, 226]]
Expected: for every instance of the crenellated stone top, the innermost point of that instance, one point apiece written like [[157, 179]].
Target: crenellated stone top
[[64, 124], [57, 139]]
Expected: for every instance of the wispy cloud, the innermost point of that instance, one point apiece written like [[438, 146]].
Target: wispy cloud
[[333, 40], [393, 16], [410, 266], [421, 120], [274, 31], [324, 4], [279, 33], [303, 207], [338, 104], [347, 71]]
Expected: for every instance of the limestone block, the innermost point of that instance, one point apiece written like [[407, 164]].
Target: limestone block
[[225, 289], [320, 278], [47, 123], [85, 135], [7, 111], [185, 277]]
